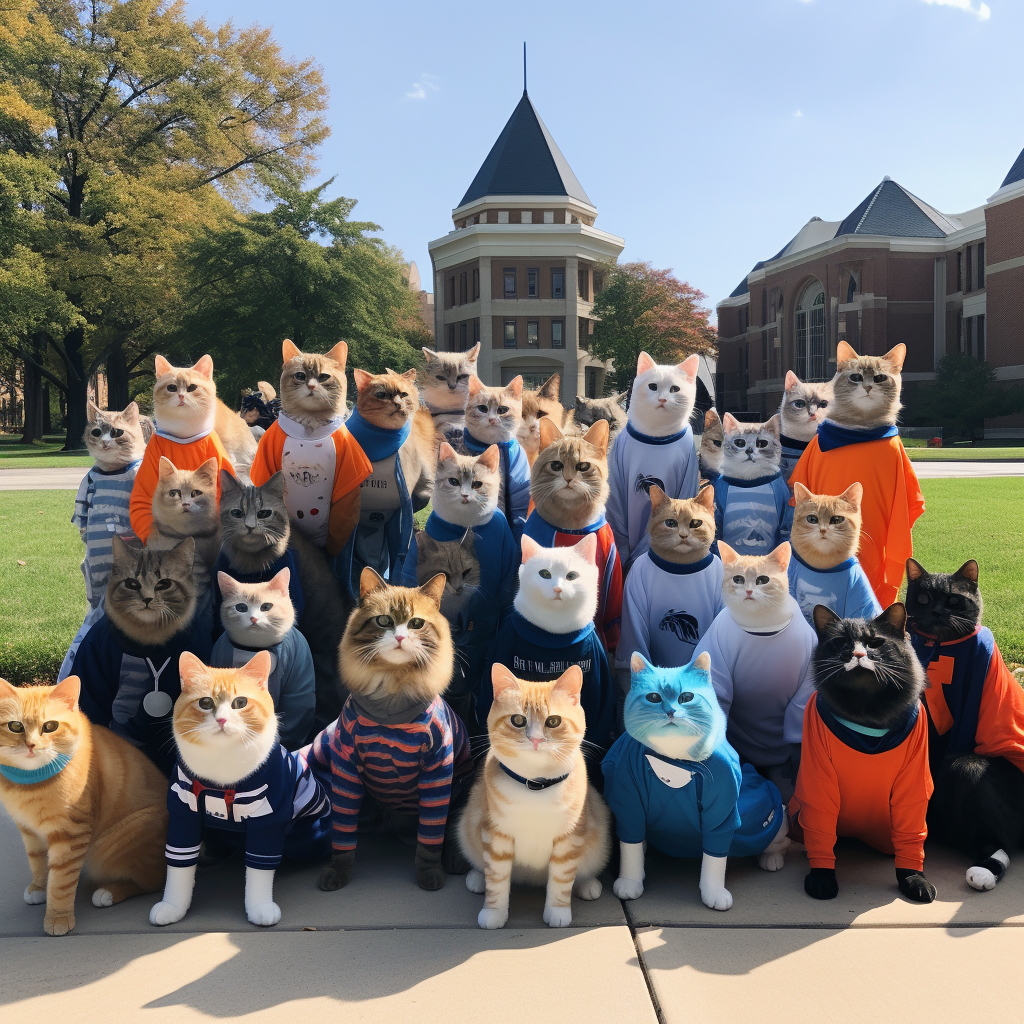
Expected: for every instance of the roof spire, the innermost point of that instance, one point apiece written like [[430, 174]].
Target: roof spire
[[524, 67]]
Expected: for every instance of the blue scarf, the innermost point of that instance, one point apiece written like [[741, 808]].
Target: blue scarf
[[667, 439], [542, 638], [377, 442], [27, 776], [543, 531], [865, 739], [832, 435], [679, 568]]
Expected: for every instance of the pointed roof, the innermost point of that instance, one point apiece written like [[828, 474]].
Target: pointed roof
[[1016, 172], [525, 161], [890, 209]]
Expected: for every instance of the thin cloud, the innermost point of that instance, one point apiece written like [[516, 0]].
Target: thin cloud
[[798, 113], [982, 12], [426, 84]]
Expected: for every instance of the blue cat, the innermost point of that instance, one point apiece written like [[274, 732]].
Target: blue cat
[[673, 780]]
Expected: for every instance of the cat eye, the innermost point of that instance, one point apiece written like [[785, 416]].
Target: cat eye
[[417, 623], [15, 727], [241, 607], [300, 376], [876, 642], [324, 378], [95, 432], [266, 606], [684, 698], [739, 579], [553, 721], [880, 378], [239, 702], [836, 520], [541, 413], [572, 575], [132, 584], [481, 408], [545, 574], [717, 444], [823, 404], [196, 494], [856, 377], [163, 584], [761, 580], [440, 376], [519, 721], [172, 388], [674, 388], [556, 466], [237, 513], [740, 442], [671, 523], [380, 395], [798, 403], [264, 513], [502, 409], [652, 387], [206, 703], [654, 698], [812, 519], [954, 601], [582, 467], [461, 376], [453, 481], [465, 573], [761, 443], [51, 726], [191, 387], [174, 493], [116, 432], [384, 621], [695, 524], [477, 484]]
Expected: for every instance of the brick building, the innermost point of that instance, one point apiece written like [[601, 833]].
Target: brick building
[[893, 270]]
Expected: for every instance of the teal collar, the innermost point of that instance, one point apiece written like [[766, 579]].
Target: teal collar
[[864, 730], [27, 776]]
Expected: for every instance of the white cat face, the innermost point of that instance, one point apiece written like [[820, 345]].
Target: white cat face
[[256, 614], [558, 586], [663, 396]]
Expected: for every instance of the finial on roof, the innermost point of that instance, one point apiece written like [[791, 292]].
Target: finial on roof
[[524, 67], [886, 178]]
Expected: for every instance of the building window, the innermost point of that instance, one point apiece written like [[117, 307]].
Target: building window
[[503, 216], [510, 282], [558, 284], [533, 283], [451, 290], [558, 334], [764, 355], [810, 333], [451, 338], [532, 333], [549, 216], [476, 330], [583, 282], [526, 217], [590, 382], [764, 306], [851, 288], [463, 336], [960, 330], [482, 219], [959, 270], [583, 332], [970, 276], [463, 288], [476, 285], [510, 334], [981, 264], [980, 332]]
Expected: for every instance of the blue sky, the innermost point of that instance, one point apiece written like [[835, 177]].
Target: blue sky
[[705, 132]]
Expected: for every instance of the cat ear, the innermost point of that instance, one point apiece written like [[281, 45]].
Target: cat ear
[[657, 496], [530, 547], [551, 387], [7, 692], [92, 412], [823, 617], [473, 353], [208, 472], [915, 570], [621, 398], [183, 555], [703, 662], [706, 497], [476, 385], [362, 378], [167, 468], [258, 668], [502, 680], [204, 367], [490, 457], [689, 367], [844, 353], [774, 426], [644, 363], [434, 588], [131, 413], [120, 552], [729, 422], [727, 554], [638, 664], [515, 385], [289, 350], [229, 485], [895, 356], [968, 571], [67, 692], [339, 353], [428, 353], [409, 375], [711, 419], [894, 616], [586, 547], [445, 452], [267, 390], [370, 582], [580, 402], [853, 494], [191, 670], [162, 366], [791, 380], [275, 485], [597, 435], [780, 556], [228, 584], [549, 432], [570, 683], [279, 582], [800, 492]]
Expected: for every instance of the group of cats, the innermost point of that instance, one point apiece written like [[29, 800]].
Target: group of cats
[[743, 691]]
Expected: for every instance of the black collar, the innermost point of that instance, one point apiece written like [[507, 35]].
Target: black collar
[[534, 785]]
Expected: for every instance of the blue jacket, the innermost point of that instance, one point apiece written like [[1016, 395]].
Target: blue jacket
[[515, 480], [752, 516], [534, 654], [844, 588]]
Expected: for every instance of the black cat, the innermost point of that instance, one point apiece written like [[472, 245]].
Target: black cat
[[973, 703], [869, 685]]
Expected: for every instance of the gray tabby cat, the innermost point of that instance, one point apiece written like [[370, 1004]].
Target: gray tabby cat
[[444, 388], [587, 411], [256, 542], [457, 560], [750, 450], [114, 439]]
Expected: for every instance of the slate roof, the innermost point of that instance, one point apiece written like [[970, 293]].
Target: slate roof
[[1016, 172], [889, 209], [525, 161]]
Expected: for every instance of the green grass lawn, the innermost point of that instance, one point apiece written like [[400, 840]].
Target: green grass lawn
[[964, 454], [42, 455], [43, 601]]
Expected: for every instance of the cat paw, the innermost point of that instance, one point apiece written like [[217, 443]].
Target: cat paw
[[588, 888], [263, 914], [770, 861], [917, 888], [33, 897], [628, 888], [558, 917], [338, 873], [475, 882], [429, 872], [102, 898], [166, 913], [821, 884], [58, 924], [716, 899], [977, 878], [491, 919]]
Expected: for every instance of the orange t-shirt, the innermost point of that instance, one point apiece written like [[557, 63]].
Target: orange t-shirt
[[879, 798], [892, 503], [184, 456]]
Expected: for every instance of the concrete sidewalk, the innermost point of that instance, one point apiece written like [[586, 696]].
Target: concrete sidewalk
[[384, 950]]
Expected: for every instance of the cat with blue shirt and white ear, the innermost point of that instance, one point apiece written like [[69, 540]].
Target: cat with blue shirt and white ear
[[673, 781]]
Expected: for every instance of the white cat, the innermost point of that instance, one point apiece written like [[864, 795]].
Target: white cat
[[663, 396], [558, 586]]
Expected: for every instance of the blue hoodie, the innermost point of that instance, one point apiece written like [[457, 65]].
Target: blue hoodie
[[844, 588], [514, 498]]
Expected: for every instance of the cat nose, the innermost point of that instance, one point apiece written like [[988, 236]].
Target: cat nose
[[558, 590], [146, 601], [311, 384], [253, 619], [222, 722]]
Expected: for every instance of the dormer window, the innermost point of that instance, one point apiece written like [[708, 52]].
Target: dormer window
[[503, 216], [549, 216], [526, 217]]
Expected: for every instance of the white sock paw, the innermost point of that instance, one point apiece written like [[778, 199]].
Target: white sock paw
[[628, 888], [588, 888], [102, 898], [33, 897], [771, 861], [981, 879], [263, 914], [166, 913], [558, 917], [475, 882], [716, 899], [491, 919]]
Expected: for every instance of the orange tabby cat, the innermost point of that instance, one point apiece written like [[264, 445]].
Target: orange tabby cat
[[78, 793]]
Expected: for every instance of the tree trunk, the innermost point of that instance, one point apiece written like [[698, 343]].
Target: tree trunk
[[78, 390], [47, 418], [33, 391], [117, 379]]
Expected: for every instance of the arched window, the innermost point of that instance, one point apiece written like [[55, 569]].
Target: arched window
[[810, 333]]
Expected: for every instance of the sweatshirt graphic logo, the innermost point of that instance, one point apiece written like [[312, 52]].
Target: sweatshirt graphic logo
[[808, 595], [683, 624], [644, 483]]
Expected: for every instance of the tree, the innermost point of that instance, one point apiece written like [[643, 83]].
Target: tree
[[646, 310], [964, 394], [144, 120], [302, 271]]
